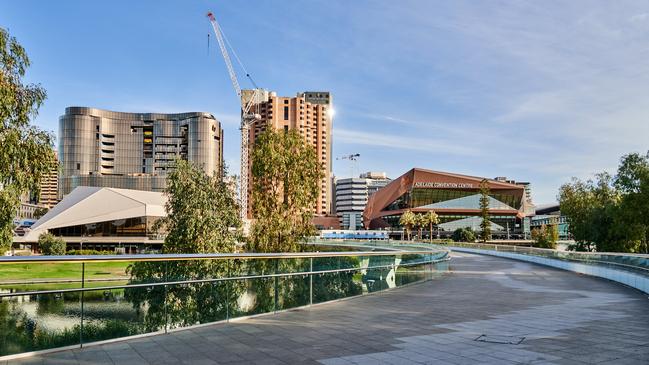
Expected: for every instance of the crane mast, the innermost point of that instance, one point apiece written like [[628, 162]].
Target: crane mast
[[248, 117]]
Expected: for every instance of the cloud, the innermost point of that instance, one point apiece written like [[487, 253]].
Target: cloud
[[402, 142]]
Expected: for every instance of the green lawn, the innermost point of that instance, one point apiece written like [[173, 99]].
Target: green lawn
[[58, 271]]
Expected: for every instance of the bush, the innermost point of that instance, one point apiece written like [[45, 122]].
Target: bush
[[51, 245], [463, 235], [89, 252], [546, 236]]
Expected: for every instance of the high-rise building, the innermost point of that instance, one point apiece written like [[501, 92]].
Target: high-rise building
[[48, 195], [310, 113], [352, 195], [133, 150]]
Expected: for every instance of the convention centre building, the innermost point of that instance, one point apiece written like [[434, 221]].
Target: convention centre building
[[454, 197]]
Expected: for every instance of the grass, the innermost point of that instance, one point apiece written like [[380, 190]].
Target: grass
[[62, 271]]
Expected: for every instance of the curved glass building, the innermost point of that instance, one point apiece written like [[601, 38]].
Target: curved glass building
[[133, 150]]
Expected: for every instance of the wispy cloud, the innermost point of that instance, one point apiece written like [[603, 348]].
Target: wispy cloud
[[402, 142]]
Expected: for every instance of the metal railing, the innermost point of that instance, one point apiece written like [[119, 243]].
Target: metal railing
[[624, 261], [52, 302]]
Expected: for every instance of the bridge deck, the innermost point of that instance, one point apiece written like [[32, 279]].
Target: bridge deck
[[564, 318]]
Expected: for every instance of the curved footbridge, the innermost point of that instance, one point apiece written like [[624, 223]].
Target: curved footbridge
[[485, 310]]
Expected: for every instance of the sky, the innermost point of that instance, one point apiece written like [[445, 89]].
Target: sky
[[537, 91]]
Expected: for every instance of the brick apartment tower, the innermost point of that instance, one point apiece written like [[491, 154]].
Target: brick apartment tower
[[310, 114]]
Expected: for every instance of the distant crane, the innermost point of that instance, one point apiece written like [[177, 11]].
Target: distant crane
[[249, 111], [353, 161]]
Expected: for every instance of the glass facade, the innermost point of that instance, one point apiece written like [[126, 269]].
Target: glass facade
[[129, 227], [133, 150], [420, 197]]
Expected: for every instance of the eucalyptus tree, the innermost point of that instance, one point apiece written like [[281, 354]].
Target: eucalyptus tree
[[286, 177], [26, 153], [202, 217]]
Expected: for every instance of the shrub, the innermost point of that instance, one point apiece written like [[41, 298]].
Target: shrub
[[89, 252], [463, 235], [51, 245], [546, 236]]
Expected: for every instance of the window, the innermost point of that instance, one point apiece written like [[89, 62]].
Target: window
[[78, 166], [286, 101], [285, 129], [285, 113]]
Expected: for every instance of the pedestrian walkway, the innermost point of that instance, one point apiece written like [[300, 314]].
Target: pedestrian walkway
[[488, 310]]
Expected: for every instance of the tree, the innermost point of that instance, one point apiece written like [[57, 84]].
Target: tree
[[485, 225], [40, 211], [407, 221], [632, 182], [286, 178], [420, 222], [463, 235], [26, 153], [431, 219], [202, 213], [202, 217], [592, 208], [51, 245]]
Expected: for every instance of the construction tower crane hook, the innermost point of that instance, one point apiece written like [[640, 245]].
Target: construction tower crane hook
[[353, 161]]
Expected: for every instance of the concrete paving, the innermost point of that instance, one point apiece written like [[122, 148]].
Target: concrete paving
[[559, 318]]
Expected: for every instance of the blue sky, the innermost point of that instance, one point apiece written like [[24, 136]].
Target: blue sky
[[538, 91]]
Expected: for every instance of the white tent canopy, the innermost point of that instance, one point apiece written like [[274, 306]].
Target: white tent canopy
[[86, 205]]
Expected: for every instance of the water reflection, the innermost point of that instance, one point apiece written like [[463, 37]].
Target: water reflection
[[41, 321]]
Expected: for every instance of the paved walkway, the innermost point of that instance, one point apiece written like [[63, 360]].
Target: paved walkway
[[564, 318]]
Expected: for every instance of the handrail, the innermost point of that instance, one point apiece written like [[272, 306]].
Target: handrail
[[211, 280], [123, 308], [215, 256], [576, 256]]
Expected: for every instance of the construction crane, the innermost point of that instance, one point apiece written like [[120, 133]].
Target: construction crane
[[353, 161], [250, 101]]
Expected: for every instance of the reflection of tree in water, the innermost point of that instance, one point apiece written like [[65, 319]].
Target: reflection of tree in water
[[183, 304]]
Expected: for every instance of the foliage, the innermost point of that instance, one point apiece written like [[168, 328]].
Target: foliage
[[286, 177], [610, 213], [89, 252], [26, 153], [40, 211], [202, 217], [408, 220], [202, 214], [485, 224], [463, 235], [420, 223], [546, 236], [51, 245], [431, 219]]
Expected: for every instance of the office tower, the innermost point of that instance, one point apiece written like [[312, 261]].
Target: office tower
[[352, 195], [133, 150], [310, 113]]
